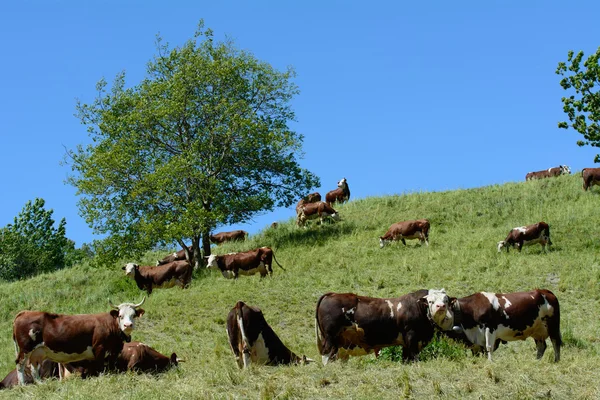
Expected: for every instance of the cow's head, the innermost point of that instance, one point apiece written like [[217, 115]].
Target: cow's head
[[211, 261], [342, 183], [438, 308], [501, 245], [130, 269], [335, 216], [565, 170], [381, 242], [125, 314]]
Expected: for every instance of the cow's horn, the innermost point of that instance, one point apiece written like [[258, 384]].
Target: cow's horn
[[112, 305], [140, 303]]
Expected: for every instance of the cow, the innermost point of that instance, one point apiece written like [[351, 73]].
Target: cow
[[339, 195], [309, 198], [547, 173], [414, 229], [348, 324], [245, 263], [486, 319], [48, 369], [527, 235], [275, 225], [252, 340], [222, 237], [139, 357], [591, 176], [64, 338], [177, 256], [320, 210], [164, 276]]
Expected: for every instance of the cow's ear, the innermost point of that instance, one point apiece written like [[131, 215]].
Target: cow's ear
[[452, 300], [123, 268], [114, 313], [139, 312], [423, 300]]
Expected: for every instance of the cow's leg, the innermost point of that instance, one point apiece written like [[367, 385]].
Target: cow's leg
[[520, 246], [541, 348], [490, 340], [244, 345], [403, 241], [410, 350]]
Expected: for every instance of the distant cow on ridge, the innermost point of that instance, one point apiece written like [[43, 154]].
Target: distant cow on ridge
[[547, 173], [320, 211], [413, 229], [309, 198], [339, 195], [223, 237], [591, 176], [527, 235]]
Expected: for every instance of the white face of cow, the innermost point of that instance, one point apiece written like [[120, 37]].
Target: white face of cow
[[501, 245], [335, 216], [127, 314], [565, 170], [211, 262], [130, 269], [342, 183], [439, 308]]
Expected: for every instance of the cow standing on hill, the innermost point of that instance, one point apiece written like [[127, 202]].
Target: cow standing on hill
[[527, 235], [177, 273], [245, 263], [252, 340], [339, 195], [547, 173], [309, 198], [320, 211], [486, 319], [63, 338], [413, 229], [591, 176], [348, 324], [223, 237]]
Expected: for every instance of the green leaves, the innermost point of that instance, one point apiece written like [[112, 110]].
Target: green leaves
[[583, 110], [202, 141]]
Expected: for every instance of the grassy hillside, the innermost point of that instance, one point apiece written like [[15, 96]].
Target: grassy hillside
[[345, 257]]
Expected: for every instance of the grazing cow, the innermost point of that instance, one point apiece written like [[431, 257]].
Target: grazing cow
[[591, 176], [177, 256], [527, 235], [547, 173], [320, 210], [348, 324], [48, 369], [415, 229], [252, 340], [309, 198], [339, 195], [486, 319], [137, 356], [222, 237], [68, 338], [164, 276], [245, 263]]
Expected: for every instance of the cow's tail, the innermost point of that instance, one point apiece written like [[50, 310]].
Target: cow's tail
[[275, 259], [318, 329]]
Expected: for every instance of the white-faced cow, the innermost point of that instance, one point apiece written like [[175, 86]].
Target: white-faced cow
[[320, 211], [348, 324], [252, 340], [486, 319], [63, 338], [339, 195], [139, 357], [223, 237], [415, 229], [177, 256], [245, 263], [176, 273], [591, 177], [527, 235], [547, 173]]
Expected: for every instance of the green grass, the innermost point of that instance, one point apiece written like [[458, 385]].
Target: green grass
[[345, 257]]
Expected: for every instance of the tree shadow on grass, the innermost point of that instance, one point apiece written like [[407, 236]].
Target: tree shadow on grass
[[312, 235]]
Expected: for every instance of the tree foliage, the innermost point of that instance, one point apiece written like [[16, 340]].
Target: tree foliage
[[32, 244], [582, 109], [202, 141]]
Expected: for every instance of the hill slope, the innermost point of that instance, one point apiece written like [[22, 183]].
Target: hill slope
[[345, 257]]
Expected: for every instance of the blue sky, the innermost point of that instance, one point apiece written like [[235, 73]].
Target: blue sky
[[395, 96]]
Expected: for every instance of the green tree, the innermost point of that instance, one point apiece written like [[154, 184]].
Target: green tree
[[202, 141], [583, 109], [32, 244]]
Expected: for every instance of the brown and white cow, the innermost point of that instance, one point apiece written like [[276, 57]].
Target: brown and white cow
[[348, 324], [223, 237], [177, 256], [137, 356], [48, 369], [252, 340], [309, 198], [176, 273], [414, 229], [339, 195], [320, 211], [486, 319], [63, 338], [245, 263], [547, 173], [591, 177], [527, 235]]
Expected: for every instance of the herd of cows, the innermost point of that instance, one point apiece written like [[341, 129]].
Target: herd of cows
[[56, 345]]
